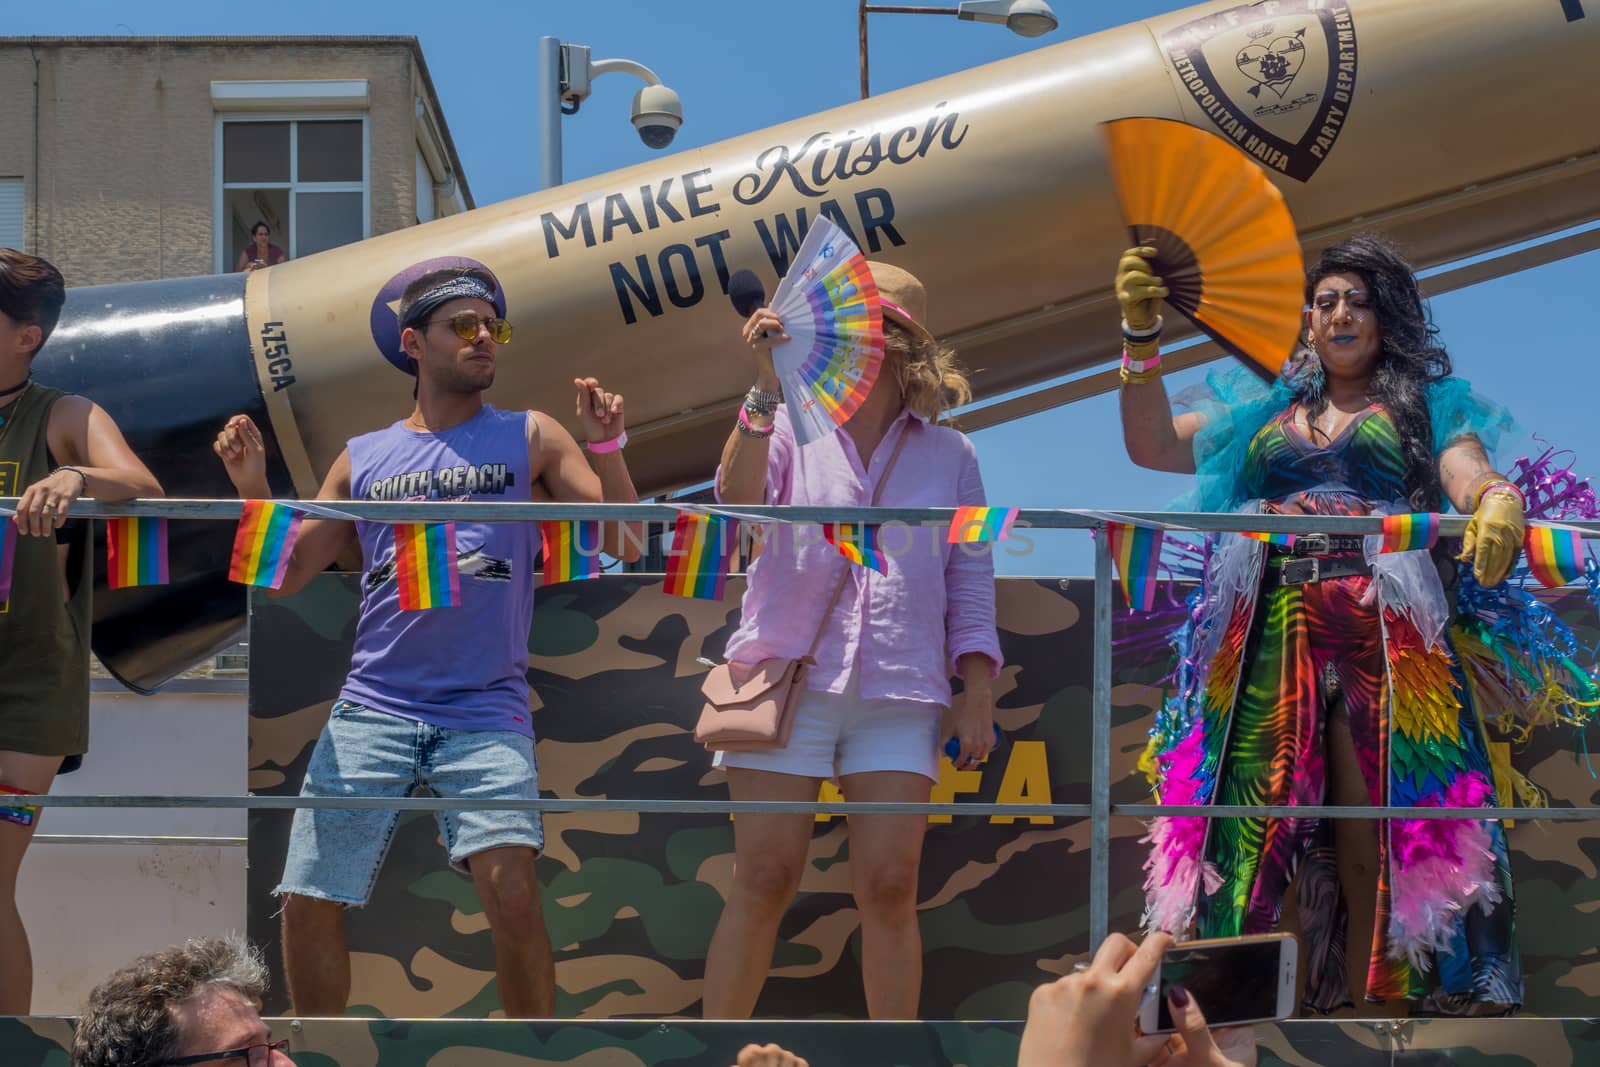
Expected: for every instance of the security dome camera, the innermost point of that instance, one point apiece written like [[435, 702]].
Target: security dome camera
[[657, 114]]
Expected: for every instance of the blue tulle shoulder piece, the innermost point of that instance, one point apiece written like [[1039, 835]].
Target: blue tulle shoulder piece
[[1454, 409], [1235, 404]]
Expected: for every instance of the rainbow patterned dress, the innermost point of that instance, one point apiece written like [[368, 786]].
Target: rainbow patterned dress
[[1262, 665]]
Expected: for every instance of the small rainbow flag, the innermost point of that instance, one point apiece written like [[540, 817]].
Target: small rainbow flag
[[1135, 550], [1407, 533], [8, 555], [15, 811], [858, 543], [136, 552], [702, 545], [263, 542], [425, 565], [1286, 540], [571, 550], [981, 524], [1554, 556]]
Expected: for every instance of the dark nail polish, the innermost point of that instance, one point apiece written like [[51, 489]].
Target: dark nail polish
[[1179, 996]]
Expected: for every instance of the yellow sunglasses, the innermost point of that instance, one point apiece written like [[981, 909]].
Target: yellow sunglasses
[[467, 324]]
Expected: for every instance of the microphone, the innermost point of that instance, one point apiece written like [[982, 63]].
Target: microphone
[[746, 292]]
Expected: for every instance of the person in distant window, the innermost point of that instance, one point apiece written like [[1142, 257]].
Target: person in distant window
[[260, 252]]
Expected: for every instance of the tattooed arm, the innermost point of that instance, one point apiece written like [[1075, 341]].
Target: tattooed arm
[[1463, 468]]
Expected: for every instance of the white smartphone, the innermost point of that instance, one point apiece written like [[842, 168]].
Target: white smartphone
[[1236, 980]]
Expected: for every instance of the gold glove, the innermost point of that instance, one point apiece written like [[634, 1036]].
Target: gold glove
[[1138, 289], [1494, 536]]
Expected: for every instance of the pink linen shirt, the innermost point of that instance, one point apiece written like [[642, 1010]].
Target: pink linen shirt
[[906, 628]]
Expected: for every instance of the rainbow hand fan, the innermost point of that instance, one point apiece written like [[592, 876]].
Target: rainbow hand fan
[[1225, 245], [829, 306]]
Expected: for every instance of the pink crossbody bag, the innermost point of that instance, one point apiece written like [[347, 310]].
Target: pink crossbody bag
[[751, 705]]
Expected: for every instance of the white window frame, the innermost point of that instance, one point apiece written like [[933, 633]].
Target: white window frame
[[364, 186]]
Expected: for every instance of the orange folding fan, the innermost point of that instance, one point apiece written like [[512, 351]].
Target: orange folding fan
[[1226, 246]]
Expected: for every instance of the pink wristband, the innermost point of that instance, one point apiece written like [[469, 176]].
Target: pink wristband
[[1139, 366], [616, 444]]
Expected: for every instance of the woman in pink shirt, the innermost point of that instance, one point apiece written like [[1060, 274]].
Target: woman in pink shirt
[[878, 705], [260, 252]]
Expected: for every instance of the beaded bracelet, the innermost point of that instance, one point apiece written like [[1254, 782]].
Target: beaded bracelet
[[744, 426], [84, 488], [762, 403], [1500, 485]]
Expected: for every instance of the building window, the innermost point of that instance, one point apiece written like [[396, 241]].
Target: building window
[[424, 180], [306, 178], [12, 213]]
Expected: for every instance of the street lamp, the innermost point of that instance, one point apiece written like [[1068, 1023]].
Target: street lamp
[[565, 73], [1025, 18]]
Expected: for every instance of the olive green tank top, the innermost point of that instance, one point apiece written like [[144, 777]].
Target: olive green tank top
[[44, 626]]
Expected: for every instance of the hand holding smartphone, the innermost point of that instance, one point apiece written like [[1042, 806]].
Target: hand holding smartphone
[[1236, 980]]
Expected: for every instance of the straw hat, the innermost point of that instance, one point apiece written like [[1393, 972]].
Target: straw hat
[[905, 301]]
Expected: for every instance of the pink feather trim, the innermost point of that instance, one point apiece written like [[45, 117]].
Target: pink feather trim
[[1439, 868], [1175, 868]]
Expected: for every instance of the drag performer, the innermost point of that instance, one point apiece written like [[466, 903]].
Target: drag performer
[[437, 698], [1326, 672], [54, 448]]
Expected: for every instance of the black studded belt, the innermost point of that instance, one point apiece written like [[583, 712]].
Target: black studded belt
[[1320, 545], [1302, 570]]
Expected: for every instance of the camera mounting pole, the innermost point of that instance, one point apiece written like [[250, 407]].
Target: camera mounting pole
[[566, 73]]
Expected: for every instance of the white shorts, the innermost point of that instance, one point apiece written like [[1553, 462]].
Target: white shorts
[[837, 734]]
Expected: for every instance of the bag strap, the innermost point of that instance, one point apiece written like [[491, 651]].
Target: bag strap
[[844, 576]]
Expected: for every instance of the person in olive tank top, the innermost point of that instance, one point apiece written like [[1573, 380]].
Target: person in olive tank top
[[54, 448], [437, 698]]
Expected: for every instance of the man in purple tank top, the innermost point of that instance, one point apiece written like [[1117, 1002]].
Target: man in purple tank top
[[437, 698]]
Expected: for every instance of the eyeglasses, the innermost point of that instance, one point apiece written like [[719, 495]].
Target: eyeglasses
[[467, 324], [253, 1055]]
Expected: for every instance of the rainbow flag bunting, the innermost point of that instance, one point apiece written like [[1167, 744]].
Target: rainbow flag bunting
[[425, 565], [8, 554], [1554, 556], [1135, 550], [14, 811], [858, 543], [263, 542], [136, 552], [571, 550], [981, 524], [1407, 533], [1286, 540], [702, 545]]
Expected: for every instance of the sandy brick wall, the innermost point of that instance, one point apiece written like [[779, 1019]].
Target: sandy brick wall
[[127, 143]]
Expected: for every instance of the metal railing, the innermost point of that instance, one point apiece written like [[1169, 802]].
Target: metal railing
[[1099, 810]]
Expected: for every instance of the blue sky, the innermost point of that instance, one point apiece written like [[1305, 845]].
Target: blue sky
[[1522, 340]]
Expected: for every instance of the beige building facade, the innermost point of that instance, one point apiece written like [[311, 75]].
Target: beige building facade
[[129, 158]]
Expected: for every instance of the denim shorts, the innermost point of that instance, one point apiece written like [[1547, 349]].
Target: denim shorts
[[335, 854]]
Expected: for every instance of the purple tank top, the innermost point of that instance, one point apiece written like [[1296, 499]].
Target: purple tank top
[[465, 667]]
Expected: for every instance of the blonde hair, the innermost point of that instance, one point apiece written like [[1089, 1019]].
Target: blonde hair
[[932, 379]]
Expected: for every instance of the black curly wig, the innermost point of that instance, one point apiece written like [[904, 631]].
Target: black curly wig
[[1411, 358]]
